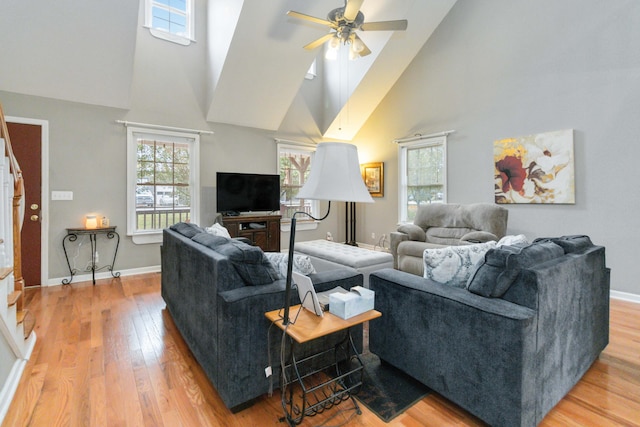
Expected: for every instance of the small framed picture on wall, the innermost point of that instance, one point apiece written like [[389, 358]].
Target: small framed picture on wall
[[373, 176]]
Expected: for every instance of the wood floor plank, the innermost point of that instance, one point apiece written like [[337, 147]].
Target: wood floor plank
[[98, 401], [110, 355]]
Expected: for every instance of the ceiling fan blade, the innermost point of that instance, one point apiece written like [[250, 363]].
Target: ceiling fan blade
[[314, 44], [351, 9], [310, 18], [399, 25]]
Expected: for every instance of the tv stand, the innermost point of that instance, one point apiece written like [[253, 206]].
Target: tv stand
[[262, 230]]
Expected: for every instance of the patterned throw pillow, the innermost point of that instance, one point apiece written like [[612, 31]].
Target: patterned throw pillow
[[218, 230], [513, 240], [453, 265], [301, 263]]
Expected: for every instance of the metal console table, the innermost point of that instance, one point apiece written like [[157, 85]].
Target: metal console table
[[72, 236], [307, 387]]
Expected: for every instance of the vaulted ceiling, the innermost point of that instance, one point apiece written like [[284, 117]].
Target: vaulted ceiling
[[254, 60]]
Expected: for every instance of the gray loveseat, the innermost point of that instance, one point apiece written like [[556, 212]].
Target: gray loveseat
[[510, 345], [217, 291], [438, 225]]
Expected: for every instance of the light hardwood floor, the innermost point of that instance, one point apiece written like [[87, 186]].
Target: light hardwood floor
[[110, 355]]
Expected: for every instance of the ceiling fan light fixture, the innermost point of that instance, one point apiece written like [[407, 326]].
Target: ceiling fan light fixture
[[345, 21], [357, 45], [331, 54], [334, 43]]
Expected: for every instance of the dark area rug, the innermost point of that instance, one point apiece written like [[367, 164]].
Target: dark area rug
[[387, 391]]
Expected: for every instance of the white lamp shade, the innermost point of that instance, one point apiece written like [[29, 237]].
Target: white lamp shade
[[335, 175]]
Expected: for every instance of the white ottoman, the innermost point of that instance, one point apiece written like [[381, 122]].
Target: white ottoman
[[326, 255]]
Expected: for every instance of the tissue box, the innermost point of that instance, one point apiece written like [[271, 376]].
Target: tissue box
[[357, 301]]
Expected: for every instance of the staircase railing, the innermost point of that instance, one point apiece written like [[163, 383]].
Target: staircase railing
[[17, 213]]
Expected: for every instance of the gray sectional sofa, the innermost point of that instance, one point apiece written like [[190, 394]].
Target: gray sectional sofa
[[217, 291], [510, 343]]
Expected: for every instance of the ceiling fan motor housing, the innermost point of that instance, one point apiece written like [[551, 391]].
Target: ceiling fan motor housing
[[343, 26]]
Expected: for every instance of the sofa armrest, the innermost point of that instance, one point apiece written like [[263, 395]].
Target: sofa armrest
[[414, 232], [395, 238], [346, 277]]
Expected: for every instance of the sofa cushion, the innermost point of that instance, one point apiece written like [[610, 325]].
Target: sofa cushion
[[249, 261], [280, 261], [446, 235], [186, 229], [415, 232], [498, 271], [453, 265], [478, 237]]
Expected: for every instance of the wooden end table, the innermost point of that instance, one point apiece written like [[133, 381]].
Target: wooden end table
[[318, 391]]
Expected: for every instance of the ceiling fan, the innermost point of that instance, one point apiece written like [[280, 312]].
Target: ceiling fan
[[345, 21]]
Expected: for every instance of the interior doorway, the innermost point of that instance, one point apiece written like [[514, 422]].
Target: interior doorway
[[29, 139]]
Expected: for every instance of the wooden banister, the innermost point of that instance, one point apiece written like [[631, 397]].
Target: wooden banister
[[18, 201]]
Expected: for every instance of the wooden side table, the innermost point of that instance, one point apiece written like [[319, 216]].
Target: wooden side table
[[317, 395], [72, 236]]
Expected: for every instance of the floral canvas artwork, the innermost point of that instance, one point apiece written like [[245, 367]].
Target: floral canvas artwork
[[535, 169]]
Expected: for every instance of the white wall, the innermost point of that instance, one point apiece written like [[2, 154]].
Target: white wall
[[502, 68]]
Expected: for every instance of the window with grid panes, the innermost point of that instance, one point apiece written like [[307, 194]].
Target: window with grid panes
[[422, 175], [171, 20], [163, 177], [294, 167]]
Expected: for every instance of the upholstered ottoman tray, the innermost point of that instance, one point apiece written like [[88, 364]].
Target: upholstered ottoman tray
[[325, 255]]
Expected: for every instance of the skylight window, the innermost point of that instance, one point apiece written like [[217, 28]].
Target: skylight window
[[170, 20]]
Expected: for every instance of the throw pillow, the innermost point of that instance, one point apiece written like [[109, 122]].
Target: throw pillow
[[250, 262], [218, 230], [186, 229], [513, 240], [490, 271], [280, 261], [453, 265], [209, 240], [571, 244], [522, 258]]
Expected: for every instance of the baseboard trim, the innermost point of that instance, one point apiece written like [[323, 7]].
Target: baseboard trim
[[105, 275], [625, 296], [10, 386]]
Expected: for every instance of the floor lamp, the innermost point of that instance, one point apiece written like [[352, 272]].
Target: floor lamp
[[335, 176], [350, 223]]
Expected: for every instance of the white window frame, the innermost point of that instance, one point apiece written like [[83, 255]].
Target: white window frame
[[403, 149], [193, 139], [302, 222], [166, 35]]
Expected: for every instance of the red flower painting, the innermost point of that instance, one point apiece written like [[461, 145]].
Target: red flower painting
[[535, 168], [512, 173]]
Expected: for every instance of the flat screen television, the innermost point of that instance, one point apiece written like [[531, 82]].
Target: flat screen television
[[247, 192]]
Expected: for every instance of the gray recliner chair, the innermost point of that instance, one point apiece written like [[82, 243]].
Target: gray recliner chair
[[444, 224]]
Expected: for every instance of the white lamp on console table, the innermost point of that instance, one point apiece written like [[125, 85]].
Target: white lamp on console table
[[335, 176]]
